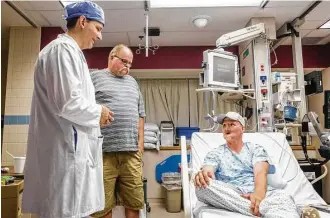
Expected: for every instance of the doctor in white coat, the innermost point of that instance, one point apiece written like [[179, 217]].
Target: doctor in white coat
[[63, 170]]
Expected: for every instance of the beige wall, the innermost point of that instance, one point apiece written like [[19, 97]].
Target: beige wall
[[4, 63], [315, 103], [24, 46]]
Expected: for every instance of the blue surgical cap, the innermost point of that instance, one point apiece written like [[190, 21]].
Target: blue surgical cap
[[88, 9]]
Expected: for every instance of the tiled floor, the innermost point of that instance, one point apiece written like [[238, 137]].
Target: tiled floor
[[157, 211]]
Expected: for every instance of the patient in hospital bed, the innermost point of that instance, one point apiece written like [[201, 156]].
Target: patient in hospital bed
[[234, 177]]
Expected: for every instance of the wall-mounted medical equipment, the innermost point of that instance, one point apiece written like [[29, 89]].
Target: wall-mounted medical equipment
[[238, 36], [284, 90], [323, 136], [324, 150], [326, 109], [310, 125], [313, 83], [221, 73], [255, 71], [220, 69]]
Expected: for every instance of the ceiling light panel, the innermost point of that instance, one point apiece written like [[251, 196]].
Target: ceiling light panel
[[204, 3]]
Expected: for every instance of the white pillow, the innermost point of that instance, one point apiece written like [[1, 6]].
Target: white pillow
[[151, 134], [274, 178], [149, 139], [151, 127]]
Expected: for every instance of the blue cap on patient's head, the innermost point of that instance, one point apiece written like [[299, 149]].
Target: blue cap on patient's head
[[88, 9]]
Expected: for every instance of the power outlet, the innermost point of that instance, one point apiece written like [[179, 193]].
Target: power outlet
[[264, 121], [263, 81], [264, 94], [265, 107]]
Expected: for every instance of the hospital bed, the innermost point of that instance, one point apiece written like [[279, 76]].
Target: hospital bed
[[281, 155]]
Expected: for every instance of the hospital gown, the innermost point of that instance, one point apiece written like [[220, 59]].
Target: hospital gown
[[234, 177]]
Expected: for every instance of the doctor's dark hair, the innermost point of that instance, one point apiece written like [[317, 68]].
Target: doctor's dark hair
[[117, 49], [70, 24]]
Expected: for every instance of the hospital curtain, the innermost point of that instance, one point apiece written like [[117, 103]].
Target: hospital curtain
[[198, 107], [166, 100], [177, 100]]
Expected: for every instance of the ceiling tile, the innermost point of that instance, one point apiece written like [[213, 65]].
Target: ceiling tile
[[321, 12], [45, 5], [319, 33], [9, 17], [112, 39], [114, 5], [187, 38], [180, 19], [55, 18], [24, 5], [38, 18], [303, 33], [282, 15], [124, 20], [287, 4], [311, 24]]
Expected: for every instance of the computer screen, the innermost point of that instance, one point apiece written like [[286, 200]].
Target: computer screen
[[224, 70], [313, 83], [220, 69]]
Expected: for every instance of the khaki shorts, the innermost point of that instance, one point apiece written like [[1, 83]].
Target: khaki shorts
[[122, 172]]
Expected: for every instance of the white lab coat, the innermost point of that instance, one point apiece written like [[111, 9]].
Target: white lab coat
[[63, 169]]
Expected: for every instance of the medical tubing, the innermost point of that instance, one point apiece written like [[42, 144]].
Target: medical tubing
[[291, 156]]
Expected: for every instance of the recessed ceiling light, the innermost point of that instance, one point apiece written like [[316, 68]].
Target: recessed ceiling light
[[202, 3], [326, 25], [201, 21]]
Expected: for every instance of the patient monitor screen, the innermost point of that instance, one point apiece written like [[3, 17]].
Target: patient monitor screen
[[223, 70]]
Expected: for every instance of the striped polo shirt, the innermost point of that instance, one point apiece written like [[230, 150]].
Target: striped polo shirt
[[122, 96]]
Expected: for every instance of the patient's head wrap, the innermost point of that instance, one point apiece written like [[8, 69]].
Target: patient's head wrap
[[88, 9], [232, 116]]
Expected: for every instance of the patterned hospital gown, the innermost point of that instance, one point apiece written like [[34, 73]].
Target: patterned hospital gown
[[234, 176], [237, 169]]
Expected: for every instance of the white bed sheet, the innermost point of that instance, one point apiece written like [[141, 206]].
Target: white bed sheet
[[222, 213], [281, 156]]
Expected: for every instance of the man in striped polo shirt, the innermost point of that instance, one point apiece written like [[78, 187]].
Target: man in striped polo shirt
[[123, 139]]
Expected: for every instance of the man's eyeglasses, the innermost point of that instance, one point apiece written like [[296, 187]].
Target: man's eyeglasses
[[125, 62]]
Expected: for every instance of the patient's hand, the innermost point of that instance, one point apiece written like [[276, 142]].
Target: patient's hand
[[202, 178], [255, 199]]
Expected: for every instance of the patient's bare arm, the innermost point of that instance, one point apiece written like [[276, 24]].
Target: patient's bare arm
[[260, 170], [202, 178]]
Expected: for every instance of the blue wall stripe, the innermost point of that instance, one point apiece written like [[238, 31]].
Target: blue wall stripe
[[16, 119]]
